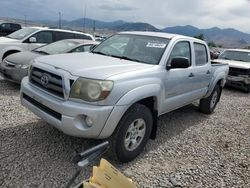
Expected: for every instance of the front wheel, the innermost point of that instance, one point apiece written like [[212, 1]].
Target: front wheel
[[132, 133], [208, 104]]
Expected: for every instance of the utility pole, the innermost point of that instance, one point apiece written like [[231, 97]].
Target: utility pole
[[60, 20], [25, 20], [84, 18], [94, 28]]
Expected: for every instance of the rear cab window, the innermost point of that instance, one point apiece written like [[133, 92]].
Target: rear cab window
[[201, 56]]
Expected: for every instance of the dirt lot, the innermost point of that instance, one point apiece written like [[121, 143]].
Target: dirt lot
[[191, 150]]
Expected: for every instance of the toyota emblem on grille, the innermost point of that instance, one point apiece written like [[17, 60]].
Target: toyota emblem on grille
[[45, 80]]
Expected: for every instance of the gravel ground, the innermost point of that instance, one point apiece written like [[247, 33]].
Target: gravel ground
[[191, 150]]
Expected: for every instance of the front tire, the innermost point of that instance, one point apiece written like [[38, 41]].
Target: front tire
[[208, 104], [132, 133]]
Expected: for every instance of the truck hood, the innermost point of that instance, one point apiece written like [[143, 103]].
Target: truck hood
[[23, 58], [7, 40], [234, 64], [91, 65]]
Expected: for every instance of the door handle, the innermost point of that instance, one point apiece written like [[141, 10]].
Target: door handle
[[191, 75], [208, 72]]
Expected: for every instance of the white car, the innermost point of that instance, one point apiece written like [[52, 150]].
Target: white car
[[29, 38], [239, 67]]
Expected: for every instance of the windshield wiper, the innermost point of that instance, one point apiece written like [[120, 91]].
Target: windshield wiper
[[127, 58], [120, 57], [42, 52], [101, 53]]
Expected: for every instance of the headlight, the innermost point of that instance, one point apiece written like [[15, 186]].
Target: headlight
[[91, 90], [22, 66]]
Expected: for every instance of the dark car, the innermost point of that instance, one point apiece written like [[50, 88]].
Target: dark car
[[7, 28]]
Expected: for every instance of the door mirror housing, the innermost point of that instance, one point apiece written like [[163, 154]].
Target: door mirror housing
[[32, 39], [178, 63]]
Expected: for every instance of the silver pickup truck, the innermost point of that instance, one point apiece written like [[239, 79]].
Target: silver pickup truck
[[118, 90]]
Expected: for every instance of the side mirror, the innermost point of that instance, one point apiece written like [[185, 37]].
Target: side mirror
[[178, 63], [32, 39]]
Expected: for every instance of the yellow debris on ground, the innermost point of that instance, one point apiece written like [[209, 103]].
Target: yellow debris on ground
[[107, 176]]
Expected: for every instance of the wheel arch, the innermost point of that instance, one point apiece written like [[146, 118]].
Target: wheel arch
[[146, 95], [9, 52]]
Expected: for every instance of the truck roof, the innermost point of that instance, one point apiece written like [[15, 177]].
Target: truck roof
[[160, 34]]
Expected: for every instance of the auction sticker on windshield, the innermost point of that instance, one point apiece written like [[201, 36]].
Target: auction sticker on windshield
[[156, 45]]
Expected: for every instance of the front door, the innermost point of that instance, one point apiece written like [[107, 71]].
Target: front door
[[42, 38], [179, 83]]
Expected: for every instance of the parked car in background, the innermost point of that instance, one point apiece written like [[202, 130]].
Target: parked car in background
[[118, 90], [15, 66], [7, 28], [100, 38], [29, 38], [239, 67]]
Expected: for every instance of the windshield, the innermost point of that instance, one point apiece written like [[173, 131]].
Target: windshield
[[143, 49], [57, 47], [22, 33], [236, 56]]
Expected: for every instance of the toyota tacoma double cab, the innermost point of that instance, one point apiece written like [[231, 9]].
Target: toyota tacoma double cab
[[119, 89]]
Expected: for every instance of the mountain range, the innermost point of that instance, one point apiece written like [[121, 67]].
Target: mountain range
[[229, 38]]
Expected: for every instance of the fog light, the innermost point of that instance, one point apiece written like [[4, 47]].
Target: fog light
[[89, 121]]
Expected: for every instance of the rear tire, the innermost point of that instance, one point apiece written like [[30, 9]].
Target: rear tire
[[208, 104], [132, 133]]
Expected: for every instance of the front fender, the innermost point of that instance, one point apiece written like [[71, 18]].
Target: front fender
[[139, 93], [126, 101], [9, 48]]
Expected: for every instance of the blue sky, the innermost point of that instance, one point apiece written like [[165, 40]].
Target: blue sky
[[160, 13]]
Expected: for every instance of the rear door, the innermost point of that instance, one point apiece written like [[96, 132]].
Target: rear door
[[202, 68]]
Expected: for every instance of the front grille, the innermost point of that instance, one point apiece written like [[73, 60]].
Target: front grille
[[237, 71], [47, 81], [43, 108]]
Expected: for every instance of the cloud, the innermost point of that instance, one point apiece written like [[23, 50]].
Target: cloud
[[114, 6], [160, 13]]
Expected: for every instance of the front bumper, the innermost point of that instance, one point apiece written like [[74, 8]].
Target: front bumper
[[67, 116], [245, 80], [238, 81], [13, 74]]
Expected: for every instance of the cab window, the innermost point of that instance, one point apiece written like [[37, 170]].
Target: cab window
[[181, 49], [201, 57]]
